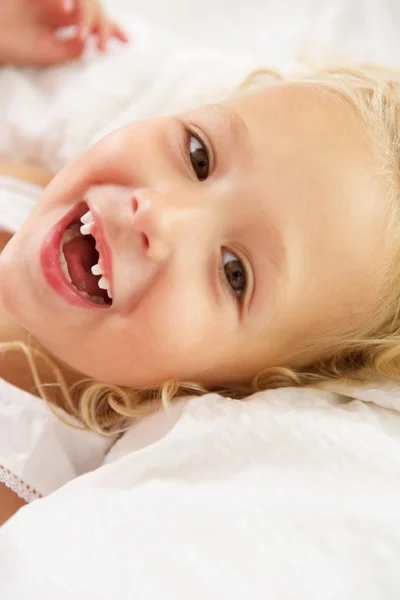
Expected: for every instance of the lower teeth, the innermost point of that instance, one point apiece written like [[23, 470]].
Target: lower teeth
[[96, 299]]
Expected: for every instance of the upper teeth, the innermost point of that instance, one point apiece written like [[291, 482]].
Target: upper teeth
[[88, 223], [97, 270], [87, 217], [86, 229], [104, 284]]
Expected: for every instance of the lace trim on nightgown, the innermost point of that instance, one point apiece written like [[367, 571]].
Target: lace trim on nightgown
[[19, 487]]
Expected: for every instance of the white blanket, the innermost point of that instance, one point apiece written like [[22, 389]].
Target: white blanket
[[292, 495]]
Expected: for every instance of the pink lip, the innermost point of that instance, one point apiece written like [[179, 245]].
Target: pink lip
[[50, 261], [102, 246]]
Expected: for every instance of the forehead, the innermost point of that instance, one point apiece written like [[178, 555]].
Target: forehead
[[302, 116], [308, 148]]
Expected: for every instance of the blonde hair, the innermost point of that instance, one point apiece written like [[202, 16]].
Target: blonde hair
[[370, 352]]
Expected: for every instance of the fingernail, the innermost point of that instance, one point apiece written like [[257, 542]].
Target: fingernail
[[68, 5]]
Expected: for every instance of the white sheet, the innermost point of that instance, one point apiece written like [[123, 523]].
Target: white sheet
[[291, 496], [276, 31]]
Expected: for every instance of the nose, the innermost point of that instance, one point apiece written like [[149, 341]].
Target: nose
[[164, 221]]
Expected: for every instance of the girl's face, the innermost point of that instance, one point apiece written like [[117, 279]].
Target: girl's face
[[230, 236]]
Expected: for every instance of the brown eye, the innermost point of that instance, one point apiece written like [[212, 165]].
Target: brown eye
[[199, 158], [235, 273]]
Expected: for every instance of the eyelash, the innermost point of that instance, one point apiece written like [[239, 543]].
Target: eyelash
[[238, 297], [190, 134]]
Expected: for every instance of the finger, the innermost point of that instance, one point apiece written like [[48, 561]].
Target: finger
[[118, 33], [86, 18], [58, 13], [65, 50], [56, 6], [51, 50], [68, 6], [48, 3], [103, 30]]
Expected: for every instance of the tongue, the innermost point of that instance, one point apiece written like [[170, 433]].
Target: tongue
[[81, 255]]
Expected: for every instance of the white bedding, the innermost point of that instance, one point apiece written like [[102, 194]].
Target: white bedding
[[292, 495], [279, 30]]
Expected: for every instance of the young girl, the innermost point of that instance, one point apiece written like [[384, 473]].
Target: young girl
[[241, 246]]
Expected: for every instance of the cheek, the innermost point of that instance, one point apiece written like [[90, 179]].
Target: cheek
[[160, 340], [171, 339], [164, 328], [184, 337]]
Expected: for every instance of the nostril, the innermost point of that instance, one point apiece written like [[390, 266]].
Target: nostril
[[145, 241], [134, 205]]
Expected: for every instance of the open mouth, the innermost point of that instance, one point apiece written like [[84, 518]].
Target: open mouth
[[82, 261]]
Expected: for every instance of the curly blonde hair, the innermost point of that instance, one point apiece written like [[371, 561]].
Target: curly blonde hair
[[371, 352]]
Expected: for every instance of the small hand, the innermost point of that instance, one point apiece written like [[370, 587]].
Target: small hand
[[87, 15], [28, 30]]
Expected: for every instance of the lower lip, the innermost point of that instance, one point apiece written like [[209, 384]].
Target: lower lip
[[50, 261]]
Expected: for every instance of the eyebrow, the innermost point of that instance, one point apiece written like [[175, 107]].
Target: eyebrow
[[232, 121]]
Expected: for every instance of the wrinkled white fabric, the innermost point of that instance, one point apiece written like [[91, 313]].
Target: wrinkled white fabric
[[38, 452], [359, 30], [17, 198], [292, 494]]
